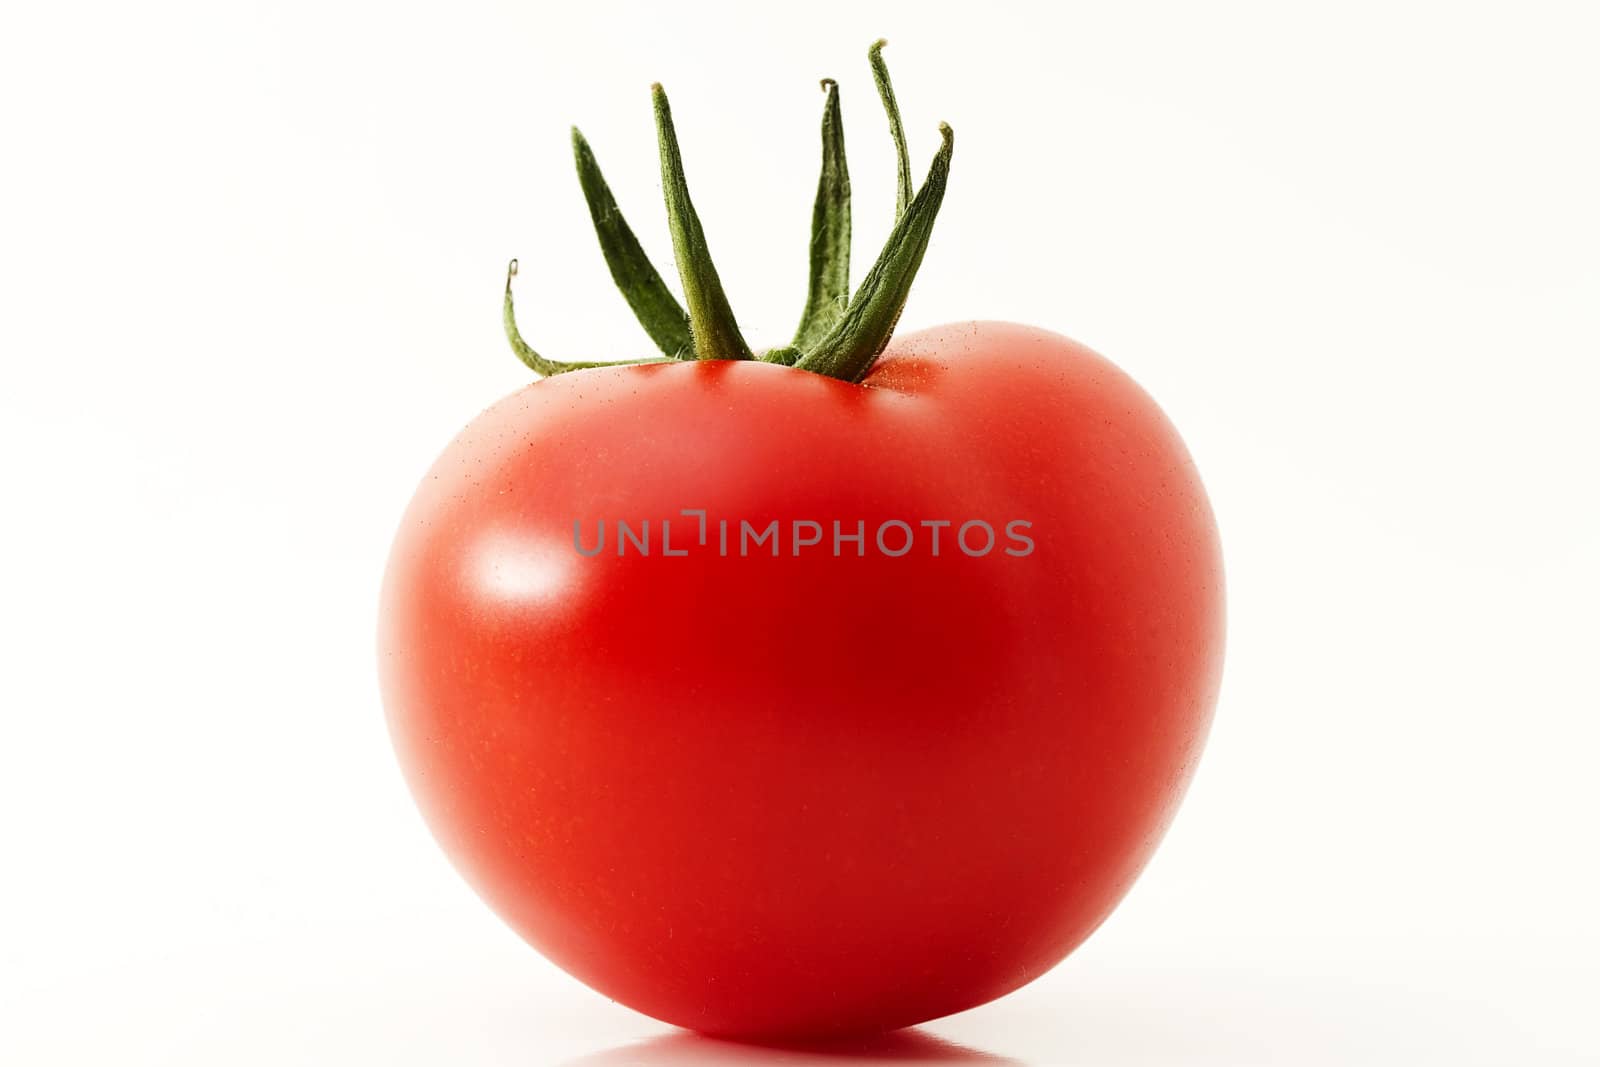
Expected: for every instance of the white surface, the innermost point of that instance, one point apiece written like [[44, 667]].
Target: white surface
[[252, 255]]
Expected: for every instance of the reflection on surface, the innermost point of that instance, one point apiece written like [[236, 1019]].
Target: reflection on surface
[[902, 1046], [516, 569]]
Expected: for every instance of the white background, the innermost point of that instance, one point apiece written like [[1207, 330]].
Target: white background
[[252, 259]]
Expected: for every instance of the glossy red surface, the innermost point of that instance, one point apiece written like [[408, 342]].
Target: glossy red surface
[[814, 794]]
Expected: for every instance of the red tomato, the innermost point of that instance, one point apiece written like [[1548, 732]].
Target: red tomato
[[806, 793]]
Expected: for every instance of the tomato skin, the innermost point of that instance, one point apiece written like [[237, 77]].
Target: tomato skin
[[808, 795]]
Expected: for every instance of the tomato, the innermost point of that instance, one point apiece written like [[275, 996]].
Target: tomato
[[814, 793], [771, 703]]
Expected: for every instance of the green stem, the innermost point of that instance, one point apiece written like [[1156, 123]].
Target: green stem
[[828, 289], [541, 366], [653, 304], [862, 334], [711, 321], [787, 355], [839, 335], [897, 130]]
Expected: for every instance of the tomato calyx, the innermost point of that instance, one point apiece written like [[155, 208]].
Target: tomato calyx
[[541, 366], [839, 335]]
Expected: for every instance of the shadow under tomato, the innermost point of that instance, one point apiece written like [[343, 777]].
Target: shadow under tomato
[[901, 1046]]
